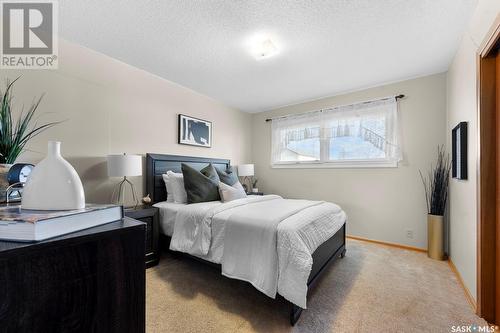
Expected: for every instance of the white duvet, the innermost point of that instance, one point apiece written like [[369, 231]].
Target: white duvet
[[268, 240]]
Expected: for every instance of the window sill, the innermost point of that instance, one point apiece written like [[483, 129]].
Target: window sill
[[337, 165]]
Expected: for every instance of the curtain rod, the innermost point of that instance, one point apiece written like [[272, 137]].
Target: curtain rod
[[374, 100]]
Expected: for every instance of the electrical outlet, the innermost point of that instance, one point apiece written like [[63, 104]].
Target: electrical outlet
[[409, 234]]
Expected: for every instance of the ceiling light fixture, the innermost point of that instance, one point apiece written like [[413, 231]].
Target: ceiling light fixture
[[264, 48]]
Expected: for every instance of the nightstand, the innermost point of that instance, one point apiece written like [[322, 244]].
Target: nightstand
[[255, 193], [150, 216]]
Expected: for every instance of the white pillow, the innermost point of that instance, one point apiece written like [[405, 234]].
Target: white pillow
[[168, 186], [230, 193], [176, 181]]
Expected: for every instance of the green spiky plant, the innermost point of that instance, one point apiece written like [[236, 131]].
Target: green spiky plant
[[15, 135]]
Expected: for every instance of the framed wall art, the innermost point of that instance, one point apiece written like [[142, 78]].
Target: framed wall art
[[195, 132], [459, 151]]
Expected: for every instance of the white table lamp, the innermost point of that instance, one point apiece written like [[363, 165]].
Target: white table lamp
[[124, 166], [246, 171]]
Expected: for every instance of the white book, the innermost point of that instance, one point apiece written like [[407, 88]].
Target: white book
[[23, 225]]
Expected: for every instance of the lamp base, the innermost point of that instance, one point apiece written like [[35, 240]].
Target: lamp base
[[120, 190], [247, 183]]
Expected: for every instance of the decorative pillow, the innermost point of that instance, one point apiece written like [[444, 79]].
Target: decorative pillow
[[230, 193], [168, 186], [176, 181], [201, 186], [229, 177]]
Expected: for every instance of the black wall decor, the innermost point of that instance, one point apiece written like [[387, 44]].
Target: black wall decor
[[194, 131], [459, 151]]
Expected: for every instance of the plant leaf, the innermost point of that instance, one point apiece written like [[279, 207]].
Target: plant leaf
[[14, 137]]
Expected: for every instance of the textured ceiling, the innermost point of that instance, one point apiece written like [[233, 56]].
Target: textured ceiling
[[325, 47]]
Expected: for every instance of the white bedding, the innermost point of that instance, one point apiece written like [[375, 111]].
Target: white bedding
[[279, 237], [168, 214]]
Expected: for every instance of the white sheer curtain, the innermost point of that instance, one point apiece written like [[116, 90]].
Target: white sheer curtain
[[356, 133]]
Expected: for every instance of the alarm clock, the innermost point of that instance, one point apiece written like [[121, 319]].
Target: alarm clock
[[19, 173]]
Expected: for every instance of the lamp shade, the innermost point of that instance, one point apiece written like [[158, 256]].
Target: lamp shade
[[245, 170], [124, 165]]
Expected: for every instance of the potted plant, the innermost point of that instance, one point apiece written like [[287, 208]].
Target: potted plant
[[14, 135], [254, 185], [436, 195]]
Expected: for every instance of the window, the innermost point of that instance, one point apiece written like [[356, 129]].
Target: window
[[363, 134]]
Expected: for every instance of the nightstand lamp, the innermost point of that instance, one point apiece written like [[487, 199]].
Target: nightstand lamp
[[124, 166], [246, 171]]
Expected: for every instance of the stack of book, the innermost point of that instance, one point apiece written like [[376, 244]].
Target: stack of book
[[17, 224]]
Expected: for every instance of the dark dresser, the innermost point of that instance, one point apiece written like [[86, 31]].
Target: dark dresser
[[88, 281]]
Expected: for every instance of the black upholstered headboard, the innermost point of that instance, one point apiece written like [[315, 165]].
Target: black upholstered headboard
[[158, 164]]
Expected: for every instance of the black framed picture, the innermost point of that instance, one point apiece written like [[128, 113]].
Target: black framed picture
[[195, 132], [459, 151]]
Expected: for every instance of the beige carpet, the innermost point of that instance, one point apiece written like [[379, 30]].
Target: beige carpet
[[375, 288]]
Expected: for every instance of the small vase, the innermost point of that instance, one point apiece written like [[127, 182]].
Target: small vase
[[435, 239], [53, 184]]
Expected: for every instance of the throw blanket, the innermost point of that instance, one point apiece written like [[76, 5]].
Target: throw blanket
[[250, 242], [268, 240], [298, 237]]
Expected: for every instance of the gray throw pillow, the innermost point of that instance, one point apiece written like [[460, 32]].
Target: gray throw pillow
[[201, 186], [230, 193], [229, 177]]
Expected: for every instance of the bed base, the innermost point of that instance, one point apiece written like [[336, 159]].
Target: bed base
[[325, 254]]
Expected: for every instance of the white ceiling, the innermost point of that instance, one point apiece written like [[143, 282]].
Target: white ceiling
[[326, 47]]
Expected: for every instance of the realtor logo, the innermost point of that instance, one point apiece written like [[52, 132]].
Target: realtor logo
[[29, 35]]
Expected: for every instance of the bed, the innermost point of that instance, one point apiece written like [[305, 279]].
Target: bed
[[222, 232]]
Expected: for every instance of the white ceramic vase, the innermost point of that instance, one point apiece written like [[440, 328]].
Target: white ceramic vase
[[53, 184]]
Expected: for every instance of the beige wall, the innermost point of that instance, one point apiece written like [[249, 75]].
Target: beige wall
[[382, 203], [111, 107], [462, 106]]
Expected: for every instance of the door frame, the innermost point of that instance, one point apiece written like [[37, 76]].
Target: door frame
[[487, 225]]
